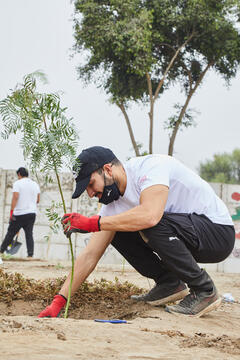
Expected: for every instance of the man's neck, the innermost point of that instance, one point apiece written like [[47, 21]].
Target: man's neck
[[21, 177], [120, 177]]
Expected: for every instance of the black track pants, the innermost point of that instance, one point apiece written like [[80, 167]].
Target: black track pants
[[171, 249], [21, 221]]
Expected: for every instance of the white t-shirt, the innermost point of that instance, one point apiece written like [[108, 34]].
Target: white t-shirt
[[188, 192], [27, 201]]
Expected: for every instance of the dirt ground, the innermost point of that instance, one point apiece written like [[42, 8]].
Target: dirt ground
[[150, 332]]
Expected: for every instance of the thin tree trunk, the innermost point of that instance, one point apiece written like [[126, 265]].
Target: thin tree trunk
[[176, 127], [150, 114], [135, 147], [69, 238], [183, 110]]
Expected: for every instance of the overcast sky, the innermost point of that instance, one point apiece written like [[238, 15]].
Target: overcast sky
[[38, 35]]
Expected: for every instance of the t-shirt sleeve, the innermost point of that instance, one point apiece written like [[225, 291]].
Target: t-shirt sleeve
[[15, 187], [153, 172]]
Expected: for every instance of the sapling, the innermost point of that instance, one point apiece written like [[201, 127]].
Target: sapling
[[48, 137]]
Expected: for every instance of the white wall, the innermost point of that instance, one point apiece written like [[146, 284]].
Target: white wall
[[230, 194], [57, 247]]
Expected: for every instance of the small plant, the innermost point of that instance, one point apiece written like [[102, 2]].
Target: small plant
[[123, 265], [48, 137], [59, 266], [53, 216], [6, 256]]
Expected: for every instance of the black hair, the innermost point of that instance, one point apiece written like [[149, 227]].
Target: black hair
[[115, 162], [22, 171], [100, 171]]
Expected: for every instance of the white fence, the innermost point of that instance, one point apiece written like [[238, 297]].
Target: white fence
[[57, 247], [48, 245]]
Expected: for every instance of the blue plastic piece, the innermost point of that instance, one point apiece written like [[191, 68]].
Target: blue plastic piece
[[112, 321]]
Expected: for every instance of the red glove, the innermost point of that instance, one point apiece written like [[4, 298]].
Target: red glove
[[78, 223], [11, 214], [55, 308]]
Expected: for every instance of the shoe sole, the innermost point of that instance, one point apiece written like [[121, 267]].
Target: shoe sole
[[215, 305], [171, 298]]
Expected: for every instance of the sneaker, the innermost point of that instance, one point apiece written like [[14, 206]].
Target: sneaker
[[197, 304], [1, 262], [162, 294]]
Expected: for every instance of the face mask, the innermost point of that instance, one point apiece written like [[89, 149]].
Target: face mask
[[110, 193]]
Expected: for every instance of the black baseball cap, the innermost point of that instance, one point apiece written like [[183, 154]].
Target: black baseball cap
[[89, 160]]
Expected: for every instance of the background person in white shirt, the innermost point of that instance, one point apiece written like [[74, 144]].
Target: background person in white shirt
[[162, 217], [26, 196]]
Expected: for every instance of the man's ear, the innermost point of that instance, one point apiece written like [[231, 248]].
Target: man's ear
[[108, 169]]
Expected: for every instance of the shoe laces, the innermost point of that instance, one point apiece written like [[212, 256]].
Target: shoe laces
[[189, 299]]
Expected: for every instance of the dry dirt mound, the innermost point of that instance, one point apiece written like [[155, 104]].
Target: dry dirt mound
[[99, 299]]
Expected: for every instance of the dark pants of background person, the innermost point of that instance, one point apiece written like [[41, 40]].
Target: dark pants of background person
[[21, 221], [169, 251]]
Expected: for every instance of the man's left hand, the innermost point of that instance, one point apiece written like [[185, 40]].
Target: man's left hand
[[74, 222]]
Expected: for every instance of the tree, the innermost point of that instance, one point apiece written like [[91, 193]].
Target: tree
[[122, 55], [224, 168], [136, 49], [48, 136], [216, 46]]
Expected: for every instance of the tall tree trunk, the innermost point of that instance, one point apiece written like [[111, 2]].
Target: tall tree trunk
[[178, 123], [183, 110], [150, 114], [135, 146], [65, 210]]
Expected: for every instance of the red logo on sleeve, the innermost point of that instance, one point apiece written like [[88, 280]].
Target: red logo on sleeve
[[143, 179]]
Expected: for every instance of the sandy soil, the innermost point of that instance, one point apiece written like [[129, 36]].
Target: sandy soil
[[151, 334]]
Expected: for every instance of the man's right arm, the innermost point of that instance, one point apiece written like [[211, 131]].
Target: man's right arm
[[15, 197], [87, 260], [84, 265]]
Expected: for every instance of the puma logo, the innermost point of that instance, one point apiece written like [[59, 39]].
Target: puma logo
[[171, 238], [109, 192]]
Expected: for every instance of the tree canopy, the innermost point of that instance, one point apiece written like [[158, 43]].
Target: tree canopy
[[224, 168], [135, 49]]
